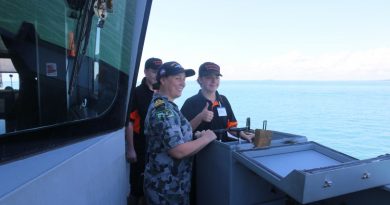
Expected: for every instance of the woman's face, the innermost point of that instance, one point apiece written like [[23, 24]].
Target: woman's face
[[209, 83], [172, 86]]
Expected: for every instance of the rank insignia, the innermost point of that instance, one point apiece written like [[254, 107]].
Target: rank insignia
[[158, 102]]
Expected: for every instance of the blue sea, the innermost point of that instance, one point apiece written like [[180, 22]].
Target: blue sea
[[352, 117]]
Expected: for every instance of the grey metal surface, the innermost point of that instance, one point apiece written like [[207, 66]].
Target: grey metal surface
[[300, 160], [88, 172], [219, 181], [310, 172]]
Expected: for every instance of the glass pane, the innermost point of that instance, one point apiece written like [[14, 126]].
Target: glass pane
[[59, 64]]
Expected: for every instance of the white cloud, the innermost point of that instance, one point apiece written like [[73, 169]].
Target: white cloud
[[372, 64]]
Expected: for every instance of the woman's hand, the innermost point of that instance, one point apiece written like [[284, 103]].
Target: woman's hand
[[247, 135], [197, 134], [209, 134]]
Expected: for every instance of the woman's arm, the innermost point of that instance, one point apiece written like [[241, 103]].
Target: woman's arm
[[192, 147]]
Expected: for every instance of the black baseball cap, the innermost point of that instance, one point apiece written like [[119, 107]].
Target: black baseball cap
[[169, 69], [209, 68], [153, 63]]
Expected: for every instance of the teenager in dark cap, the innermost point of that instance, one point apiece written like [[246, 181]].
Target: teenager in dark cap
[[136, 148], [208, 109], [171, 144]]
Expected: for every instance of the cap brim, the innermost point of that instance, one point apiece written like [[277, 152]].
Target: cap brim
[[155, 67], [208, 73], [189, 72]]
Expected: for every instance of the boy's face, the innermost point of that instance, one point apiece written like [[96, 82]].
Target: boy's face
[[150, 75], [209, 83]]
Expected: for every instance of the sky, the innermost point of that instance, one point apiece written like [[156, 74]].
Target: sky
[[274, 39]]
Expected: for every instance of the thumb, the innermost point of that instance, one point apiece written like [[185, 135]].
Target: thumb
[[207, 106]]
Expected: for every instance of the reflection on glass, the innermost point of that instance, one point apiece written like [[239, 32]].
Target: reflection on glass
[[37, 64]]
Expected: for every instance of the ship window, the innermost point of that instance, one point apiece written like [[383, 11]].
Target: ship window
[[56, 69]]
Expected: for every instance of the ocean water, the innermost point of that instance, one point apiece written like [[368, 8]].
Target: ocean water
[[352, 117]]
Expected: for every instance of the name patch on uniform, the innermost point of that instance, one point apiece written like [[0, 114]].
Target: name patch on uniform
[[221, 111], [163, 114]]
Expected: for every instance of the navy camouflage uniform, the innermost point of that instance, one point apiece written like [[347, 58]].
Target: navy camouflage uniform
[[167, 180]]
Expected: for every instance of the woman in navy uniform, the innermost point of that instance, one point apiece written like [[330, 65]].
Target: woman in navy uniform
[[170, 140]]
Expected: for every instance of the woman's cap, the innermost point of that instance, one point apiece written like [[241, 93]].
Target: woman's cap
[[169, 69], [209, 68]]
